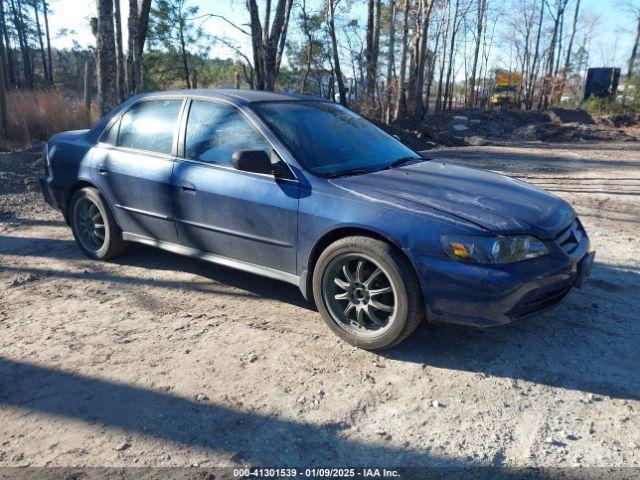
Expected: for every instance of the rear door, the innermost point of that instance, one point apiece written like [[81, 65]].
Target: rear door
[[134, 163], [239, 215]]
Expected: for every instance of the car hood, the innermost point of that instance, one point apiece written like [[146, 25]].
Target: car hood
[[492, 201]]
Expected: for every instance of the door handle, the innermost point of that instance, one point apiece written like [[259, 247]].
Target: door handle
[[103, 172], [187, 187]]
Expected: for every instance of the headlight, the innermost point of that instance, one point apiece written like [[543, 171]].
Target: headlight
[[507, 249]]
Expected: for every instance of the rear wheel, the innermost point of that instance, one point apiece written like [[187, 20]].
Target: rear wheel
[[367, 292], [93, 226]]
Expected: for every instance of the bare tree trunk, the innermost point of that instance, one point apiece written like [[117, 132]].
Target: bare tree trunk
[[342, 91], [45, 66], [137, 25], [559, 48], [445, 38], [390, 57], [432, 68], [401, 93], [3, 104], [267, 55], [144, 9], [106, 58], [184, 54], [120, 81], [567, 58], [307, 33], [23, 43], [482, 8], [370, 83], [418, 106], [5, 48], [133, 61], [544, 98], [634, 51], [267, 21], [451, 53], [414, 58], [45, 11], [283, 36], [536, 56], [373, 44]]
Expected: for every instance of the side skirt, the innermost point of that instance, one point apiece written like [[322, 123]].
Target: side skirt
[[213, 258]]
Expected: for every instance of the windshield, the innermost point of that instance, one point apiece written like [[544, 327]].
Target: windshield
[[505, 89], [329, 139]]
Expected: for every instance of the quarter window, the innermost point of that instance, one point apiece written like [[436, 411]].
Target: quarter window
[[215, 131], [150, 125]]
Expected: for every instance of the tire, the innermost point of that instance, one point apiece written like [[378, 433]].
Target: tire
[[99, 243], [358, 311]]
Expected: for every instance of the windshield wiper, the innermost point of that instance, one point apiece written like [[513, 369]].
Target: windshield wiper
[[403, 160], [348, 173]]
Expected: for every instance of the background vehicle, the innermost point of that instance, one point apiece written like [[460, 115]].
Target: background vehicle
[[507, 89], [307, 192]]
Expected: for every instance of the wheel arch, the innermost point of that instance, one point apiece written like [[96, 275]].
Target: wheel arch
[[77, 185], [336, 234]]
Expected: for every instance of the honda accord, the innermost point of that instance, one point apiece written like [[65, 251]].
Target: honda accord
[[308, 192]]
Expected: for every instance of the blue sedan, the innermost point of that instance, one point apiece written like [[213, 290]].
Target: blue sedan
[[305, 191]]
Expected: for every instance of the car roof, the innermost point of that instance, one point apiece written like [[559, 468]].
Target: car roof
[[233, 95]]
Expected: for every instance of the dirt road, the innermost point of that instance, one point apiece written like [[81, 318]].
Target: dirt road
[[156, 359]]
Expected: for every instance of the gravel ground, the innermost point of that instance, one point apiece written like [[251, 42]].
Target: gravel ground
[[156, 359]]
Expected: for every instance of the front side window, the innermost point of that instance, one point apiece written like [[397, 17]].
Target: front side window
[[329, 139], [215, 131], [150, 126]]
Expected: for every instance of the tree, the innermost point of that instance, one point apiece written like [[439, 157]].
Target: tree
[[138, 26], [482, 11], [45, 11], [419, 57], [401, 91], [3, 104], [390, 58], [536, 57], [310, 24], [342, 91], [372, 51], [120, 80], [5, 49], [172, 28], [45, 64], [18, 22], [106, 58], [559, 12], [567, 58], [268, 41], [634, 50]]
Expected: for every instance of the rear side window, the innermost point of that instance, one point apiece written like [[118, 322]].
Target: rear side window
[[111, 135], [150, 126], [215, 131]]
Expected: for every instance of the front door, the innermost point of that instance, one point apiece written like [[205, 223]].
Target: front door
[[133, 167], [218, 209]]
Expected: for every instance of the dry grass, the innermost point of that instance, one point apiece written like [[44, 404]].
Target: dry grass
[[38, 114]]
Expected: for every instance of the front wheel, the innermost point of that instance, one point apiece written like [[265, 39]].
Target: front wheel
[[367, 292]]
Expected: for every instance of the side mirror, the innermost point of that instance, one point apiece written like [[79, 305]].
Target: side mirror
[[256, 161]]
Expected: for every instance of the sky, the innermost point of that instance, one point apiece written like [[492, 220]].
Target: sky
[[611, 44]]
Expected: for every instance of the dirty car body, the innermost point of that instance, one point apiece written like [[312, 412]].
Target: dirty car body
[[486, 249]]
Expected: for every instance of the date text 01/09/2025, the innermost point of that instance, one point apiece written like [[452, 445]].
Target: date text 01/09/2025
[[316, 472]]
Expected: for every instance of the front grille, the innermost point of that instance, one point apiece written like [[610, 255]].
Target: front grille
[[540, 302], [570, 238]]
